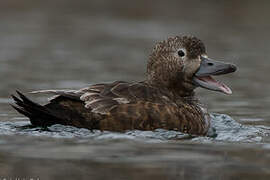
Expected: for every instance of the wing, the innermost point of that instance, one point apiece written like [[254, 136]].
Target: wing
[[102, 98]]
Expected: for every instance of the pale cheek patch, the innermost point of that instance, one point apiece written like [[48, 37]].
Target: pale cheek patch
[[191, 66], [204, 55]]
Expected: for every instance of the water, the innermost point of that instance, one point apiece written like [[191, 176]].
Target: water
[[70, 44], [226, 130], [80, 153]]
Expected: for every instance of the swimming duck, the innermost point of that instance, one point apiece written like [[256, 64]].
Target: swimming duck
[[166, 99]]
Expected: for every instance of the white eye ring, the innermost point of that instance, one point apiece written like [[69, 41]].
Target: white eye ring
[[181, 52]]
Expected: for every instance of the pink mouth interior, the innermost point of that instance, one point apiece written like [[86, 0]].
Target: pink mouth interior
[[209, 80]]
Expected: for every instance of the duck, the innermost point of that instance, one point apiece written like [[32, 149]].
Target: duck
[[166, 99]]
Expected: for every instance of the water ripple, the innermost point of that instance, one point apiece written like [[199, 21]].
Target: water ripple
[[227, 129]]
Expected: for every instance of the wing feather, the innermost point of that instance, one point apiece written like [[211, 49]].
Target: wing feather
[[102, 98]]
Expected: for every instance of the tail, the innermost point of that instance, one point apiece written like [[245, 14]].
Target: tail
[[39, 115]]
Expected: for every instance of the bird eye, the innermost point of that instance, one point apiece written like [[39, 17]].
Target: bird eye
[[181, 53]]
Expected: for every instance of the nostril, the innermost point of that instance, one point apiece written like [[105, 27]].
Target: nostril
[[210, 64], [233, 67]]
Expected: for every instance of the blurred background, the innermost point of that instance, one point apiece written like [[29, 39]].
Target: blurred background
[[70, 44]]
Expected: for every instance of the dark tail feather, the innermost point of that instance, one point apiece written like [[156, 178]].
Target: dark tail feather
[[38, 114]]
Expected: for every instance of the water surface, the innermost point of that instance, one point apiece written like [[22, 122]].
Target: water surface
[[70, 44]]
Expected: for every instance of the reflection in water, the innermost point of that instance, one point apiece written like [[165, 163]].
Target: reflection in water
[[69, 44]]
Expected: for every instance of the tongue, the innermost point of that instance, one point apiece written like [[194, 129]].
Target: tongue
[[212, 82]]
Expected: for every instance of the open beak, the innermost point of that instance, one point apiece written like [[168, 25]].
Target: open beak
[[210, 67]]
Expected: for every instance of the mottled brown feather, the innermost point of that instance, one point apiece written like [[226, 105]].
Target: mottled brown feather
[[165, 100]]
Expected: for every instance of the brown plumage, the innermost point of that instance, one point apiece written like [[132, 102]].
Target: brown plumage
[[164, 100]]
